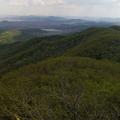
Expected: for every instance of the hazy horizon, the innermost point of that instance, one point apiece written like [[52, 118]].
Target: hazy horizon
[[65, 8]]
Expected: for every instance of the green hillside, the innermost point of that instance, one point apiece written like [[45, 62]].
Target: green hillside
[[100, 44], [68, 88], [27, 52], [9, 36], [14, 35], [72, 77]]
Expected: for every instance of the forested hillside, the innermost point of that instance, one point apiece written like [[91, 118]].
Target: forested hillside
[[100, 44], [72, 77], [69, 88], [8, 36]]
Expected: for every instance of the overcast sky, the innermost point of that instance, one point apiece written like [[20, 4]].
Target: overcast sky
[[91, 8]]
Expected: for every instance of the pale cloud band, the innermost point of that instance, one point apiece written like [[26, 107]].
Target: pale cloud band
[[32, 2], [93, 8]]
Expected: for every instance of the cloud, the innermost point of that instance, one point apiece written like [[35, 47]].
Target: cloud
[[32, 2], [61, 7], [93, 1]]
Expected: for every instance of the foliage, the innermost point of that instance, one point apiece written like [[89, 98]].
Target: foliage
[[73, 77], [99, 44], [69, 88]]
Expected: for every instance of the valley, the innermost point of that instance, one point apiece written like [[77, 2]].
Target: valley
[[46, 74], [70, 77]]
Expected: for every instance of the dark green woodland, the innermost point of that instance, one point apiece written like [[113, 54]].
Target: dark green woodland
[[62, 77]]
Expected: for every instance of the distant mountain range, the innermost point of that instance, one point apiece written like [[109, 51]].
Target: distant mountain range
[[65, 25]]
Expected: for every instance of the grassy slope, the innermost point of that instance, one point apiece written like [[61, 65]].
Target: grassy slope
[[9, 36], [66, 88]]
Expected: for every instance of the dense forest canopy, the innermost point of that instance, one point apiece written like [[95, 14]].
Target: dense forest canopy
[[68, 77]]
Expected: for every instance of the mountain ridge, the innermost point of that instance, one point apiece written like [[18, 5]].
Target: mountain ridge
[[70, 77]]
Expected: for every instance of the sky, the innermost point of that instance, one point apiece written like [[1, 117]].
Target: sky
[[75, 8]]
